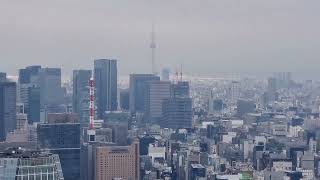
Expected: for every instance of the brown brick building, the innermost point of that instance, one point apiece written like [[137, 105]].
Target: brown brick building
[[113, 162]]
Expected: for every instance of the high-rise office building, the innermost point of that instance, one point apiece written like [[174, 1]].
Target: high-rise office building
[[29, 92], [62, 139], [177, 113], [80, 99], [124, 99], [156, 92], [33, 110], [3, 76], [272, 90], [283, 79], [105, 75], [51, 93], [119, 132], [22, 164], [7, 108], [165, 74], [181, 89], [234, 92], [117, 162], [29, 75], [137, 90]]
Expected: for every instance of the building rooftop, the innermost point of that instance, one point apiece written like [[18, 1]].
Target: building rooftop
[[197, 166], [23, 153]]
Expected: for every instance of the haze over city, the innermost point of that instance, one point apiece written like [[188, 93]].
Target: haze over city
[[159, 90], [205, 36]]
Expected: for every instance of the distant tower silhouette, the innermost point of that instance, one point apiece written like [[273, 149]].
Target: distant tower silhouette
[[153, 47]]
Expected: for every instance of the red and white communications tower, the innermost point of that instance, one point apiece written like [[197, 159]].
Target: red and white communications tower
[[91, 130]]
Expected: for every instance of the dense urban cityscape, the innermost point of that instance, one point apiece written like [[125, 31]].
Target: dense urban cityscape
[[164, 126], [159, 90]]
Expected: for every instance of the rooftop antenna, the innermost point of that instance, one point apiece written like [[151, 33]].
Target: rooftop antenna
[[153, 47], [177, 76]]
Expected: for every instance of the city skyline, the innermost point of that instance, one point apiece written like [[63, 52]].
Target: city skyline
[[168, 90]]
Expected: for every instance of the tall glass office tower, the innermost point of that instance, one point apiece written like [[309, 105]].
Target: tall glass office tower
[[105, 75]]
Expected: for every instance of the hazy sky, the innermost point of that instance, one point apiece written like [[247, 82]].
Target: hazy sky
[[206, 36]]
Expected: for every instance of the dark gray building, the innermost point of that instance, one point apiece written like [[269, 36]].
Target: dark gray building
[[105, 75], [80, 99], [51, 93], [8, 92], [29, 92], [119, 132], [272, 90], [124, 99], [177, 113], [156, 92], [29, 74], [181, 89], [33, 110], [3, 77], [62, 139], [137, 90], [197, 171]]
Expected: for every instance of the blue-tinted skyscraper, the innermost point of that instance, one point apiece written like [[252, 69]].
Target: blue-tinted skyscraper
[[124, 99], [8, 91], [80, 99], [105, 75], [3, 76], [29, 90], [181, 89], [51, 93], [62, 139], [156, 92], [177, 113], [34, 104], [29, 75], [138, 90]]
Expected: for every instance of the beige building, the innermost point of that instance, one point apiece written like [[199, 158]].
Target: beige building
[[117, 162]]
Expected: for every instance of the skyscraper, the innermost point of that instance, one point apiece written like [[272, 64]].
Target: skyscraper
[[105, 75], [28, 80], [51, 93], [7, 108], [3, 76], [80, 99], [165, 74], [177, 113], [124, 99], [181, 89], [137, 90], [33, 110], [62, 139], [29, 75], [272, 90], [156, 92]]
